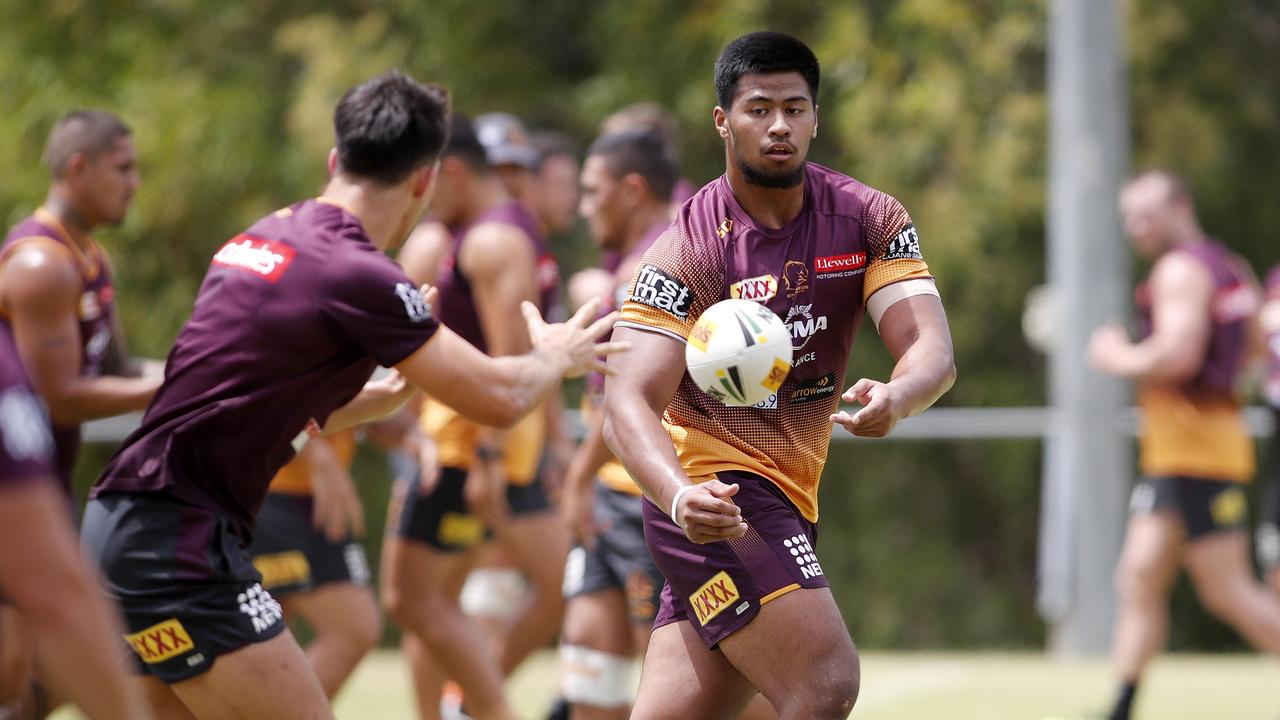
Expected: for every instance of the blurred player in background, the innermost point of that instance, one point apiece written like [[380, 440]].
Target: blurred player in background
[[488, 478], [291, 320], [57, 296], [1197, 316], [732, 492], [43, 578], [1268, 540], [555, 202], [611, 582]]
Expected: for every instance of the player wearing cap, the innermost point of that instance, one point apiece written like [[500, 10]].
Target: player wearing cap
[[293, 316], [732, 492]]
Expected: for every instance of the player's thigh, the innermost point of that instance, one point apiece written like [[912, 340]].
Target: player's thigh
[[16, 655], [270, 679], [683, 678], [1153, 540], [163, 701], [339, 608], [1219, 564], [598, 620], [534, 537], [414, 572], [797, 645]]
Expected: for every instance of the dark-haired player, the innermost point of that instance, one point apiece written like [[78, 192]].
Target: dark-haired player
[[1197, 315], [292, 318], [611, 582], [56, 294], [488, 478], [42, 575], [732, 511]]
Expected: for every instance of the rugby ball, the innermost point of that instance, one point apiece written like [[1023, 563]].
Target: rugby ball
[[739, 352]]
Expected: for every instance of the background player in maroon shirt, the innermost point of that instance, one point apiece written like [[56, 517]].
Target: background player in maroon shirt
[[56, 294], [42, 574], [293, 316], [1268, 539], [746, 607]]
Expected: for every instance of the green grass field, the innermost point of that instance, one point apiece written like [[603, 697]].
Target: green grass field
[[931, 686]]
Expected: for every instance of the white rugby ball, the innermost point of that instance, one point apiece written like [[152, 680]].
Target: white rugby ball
[[739, 352]]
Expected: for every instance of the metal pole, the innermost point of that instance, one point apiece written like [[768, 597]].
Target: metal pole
[[1087, 460]]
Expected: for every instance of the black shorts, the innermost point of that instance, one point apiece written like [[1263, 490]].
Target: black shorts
[[293, 556], [182, 578], [1268, 538], [1205, 506], [442, 518], [620, 559]]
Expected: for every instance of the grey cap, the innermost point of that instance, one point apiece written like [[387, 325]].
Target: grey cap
[[505, 140]]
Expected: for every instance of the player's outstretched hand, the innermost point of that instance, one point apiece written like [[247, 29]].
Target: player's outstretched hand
[[706, 514], [881, 409], [574, 341]]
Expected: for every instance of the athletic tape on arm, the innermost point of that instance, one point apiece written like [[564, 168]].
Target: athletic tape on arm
[[887, 296]]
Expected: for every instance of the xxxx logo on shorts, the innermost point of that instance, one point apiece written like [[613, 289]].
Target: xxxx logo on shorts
[[712, 598], [161, 641]]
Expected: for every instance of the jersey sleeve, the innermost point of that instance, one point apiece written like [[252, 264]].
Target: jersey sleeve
[[370, 300], [678, 278], [893, 247]]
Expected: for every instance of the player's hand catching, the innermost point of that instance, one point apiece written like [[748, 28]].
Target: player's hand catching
[[573, 343], [1107, 346], [422, 447], [881, 409], [706, 514]]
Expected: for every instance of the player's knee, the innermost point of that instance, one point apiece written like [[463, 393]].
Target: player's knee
[[1138, 582], [832, 698], [1222, 600], [595, 678], [363, 627]]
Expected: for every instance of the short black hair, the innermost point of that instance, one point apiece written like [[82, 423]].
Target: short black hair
[[764, 52], [642, 152], [465, 144], [390, 126], [550, 143], [82, 132]]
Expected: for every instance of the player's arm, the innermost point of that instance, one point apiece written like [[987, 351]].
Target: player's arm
[[337, 511], [1181, 297], [77, 634], [423, 252], [500, 391], [42, 294], [579, 490], [915, 331], [641, 384]]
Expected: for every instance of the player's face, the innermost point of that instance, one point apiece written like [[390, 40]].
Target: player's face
[[105, 184], [768, 128], [1149, 215], [558, 192], [601, 204]]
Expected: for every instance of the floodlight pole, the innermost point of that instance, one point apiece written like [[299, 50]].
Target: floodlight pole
[[1087, 459]]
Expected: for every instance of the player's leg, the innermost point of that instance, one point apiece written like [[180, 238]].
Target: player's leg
[[1148, 566], [1218, 561], [424, 564], [347, 624], [1267, 542], [596, 656], [537, 542], [270, 679], [682, 678], [16, 659], [162, 700]]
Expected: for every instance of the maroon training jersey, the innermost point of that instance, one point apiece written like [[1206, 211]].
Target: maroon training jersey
[[292, 318], [26, 446], [816, 273], [95, 309], [456, 307]]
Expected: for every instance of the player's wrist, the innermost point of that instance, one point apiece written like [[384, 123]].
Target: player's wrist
[[675, 503]]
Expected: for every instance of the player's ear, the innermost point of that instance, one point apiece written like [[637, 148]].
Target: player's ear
[[76, 165], [722, 121], [815, 122], [424, 179], [332, 163]]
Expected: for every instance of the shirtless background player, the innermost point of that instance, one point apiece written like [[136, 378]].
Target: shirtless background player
[[42, 575], [1197, 324], [292, 318], [746, 606], [56, 294]]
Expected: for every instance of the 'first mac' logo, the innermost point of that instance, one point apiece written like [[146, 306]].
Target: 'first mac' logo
[[657, 288]]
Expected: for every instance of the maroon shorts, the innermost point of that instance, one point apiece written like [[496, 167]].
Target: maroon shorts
[[719, 587]]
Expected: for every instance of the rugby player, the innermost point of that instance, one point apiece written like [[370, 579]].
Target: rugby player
[[611, 582], [57, 296], [732, 492], [1197, 318], [306, 546], [1268, 537], [555, 200], [292, 318], [487, 478], [73, 629]]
